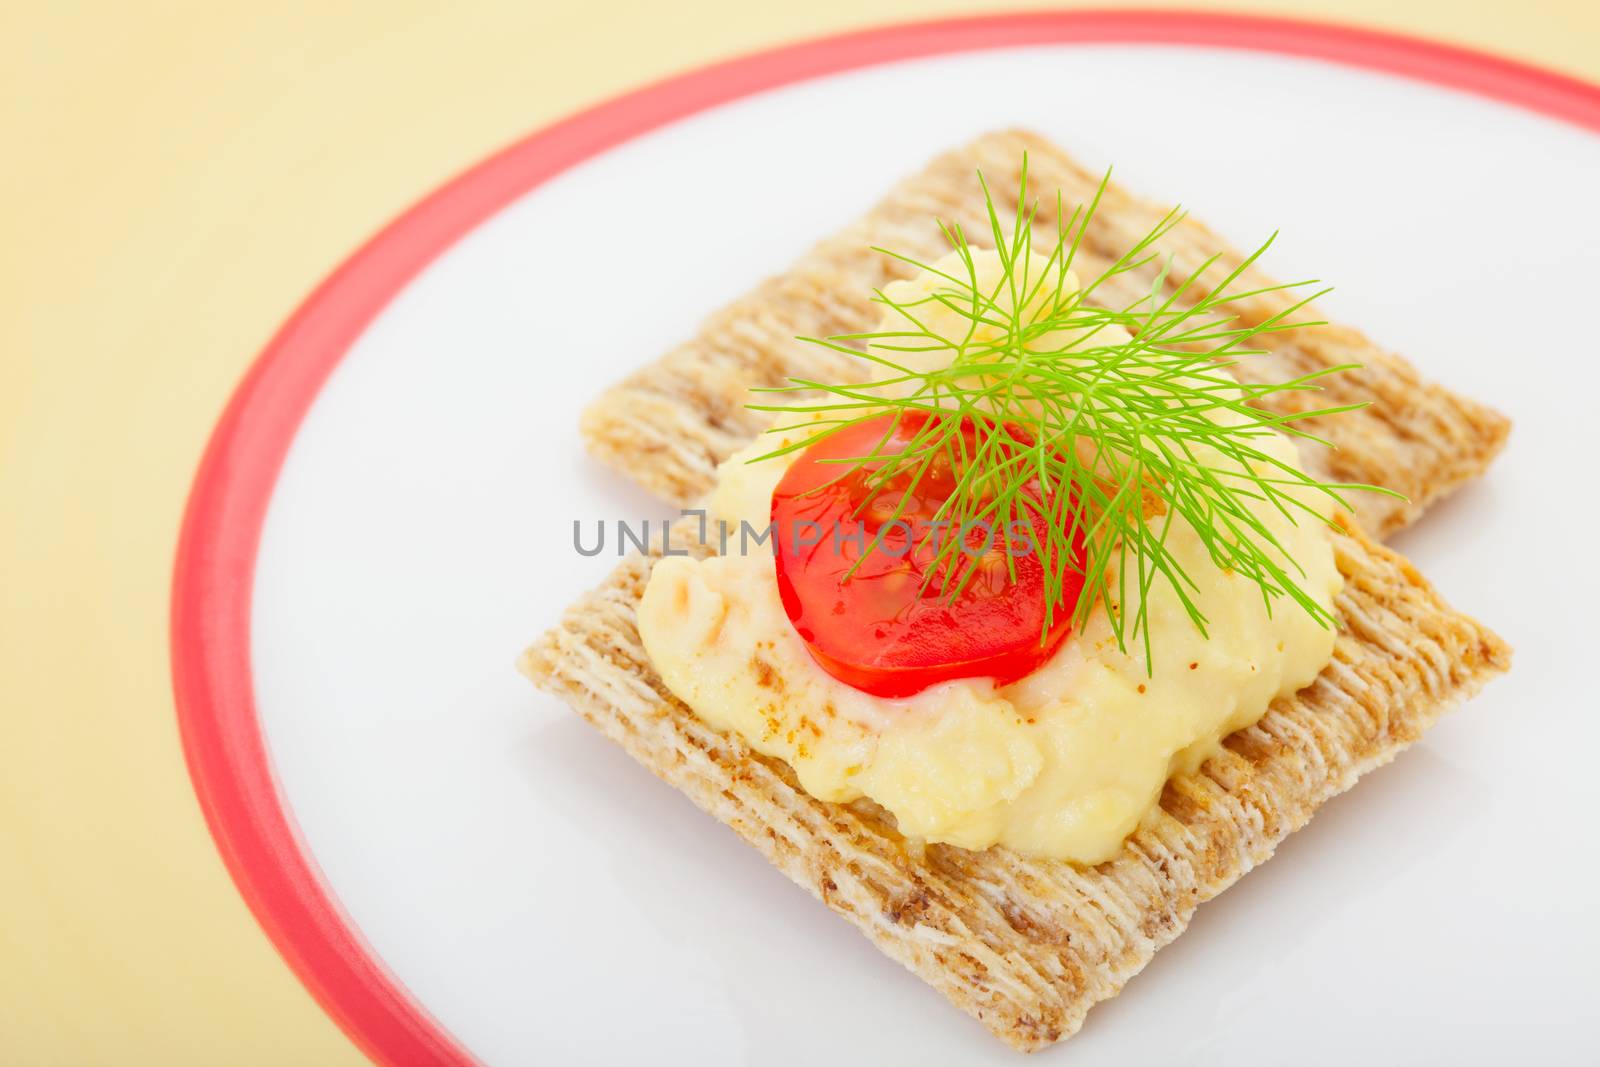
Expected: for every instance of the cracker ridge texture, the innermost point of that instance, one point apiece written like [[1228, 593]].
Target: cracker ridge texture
[[670, 424], [1028, 946]]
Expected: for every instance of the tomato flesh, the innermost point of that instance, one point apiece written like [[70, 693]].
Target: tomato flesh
[[885, 629]]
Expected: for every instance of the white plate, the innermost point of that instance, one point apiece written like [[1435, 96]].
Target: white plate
[[546, 900]]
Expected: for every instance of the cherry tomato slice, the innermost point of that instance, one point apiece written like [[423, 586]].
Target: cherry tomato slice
[[884, 629]]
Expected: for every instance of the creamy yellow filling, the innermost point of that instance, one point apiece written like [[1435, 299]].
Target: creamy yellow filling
[[1062, 764]]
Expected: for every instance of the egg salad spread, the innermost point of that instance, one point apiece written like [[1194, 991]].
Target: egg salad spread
[[1063, 762]]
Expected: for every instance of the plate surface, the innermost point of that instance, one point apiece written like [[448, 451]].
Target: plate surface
[[546, 900]]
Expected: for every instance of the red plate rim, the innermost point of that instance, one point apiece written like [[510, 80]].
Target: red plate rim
[[215, 562]]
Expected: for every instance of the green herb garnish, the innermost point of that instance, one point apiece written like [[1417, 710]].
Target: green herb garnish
[[1119, 439]]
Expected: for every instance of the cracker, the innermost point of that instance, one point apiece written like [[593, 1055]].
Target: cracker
[[670, 424], [1028, 946]]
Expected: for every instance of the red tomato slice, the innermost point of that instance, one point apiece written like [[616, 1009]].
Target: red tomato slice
[[880, 630]]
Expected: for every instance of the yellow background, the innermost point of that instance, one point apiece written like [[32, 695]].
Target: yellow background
[[176, 177]]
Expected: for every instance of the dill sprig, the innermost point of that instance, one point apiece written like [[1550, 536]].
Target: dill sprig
[[1116, 436]]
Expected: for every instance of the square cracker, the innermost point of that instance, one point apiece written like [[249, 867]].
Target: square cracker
[[1028, 946], [670, 424]]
